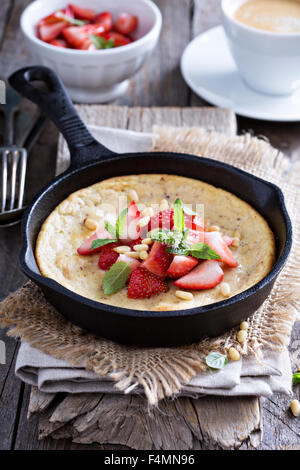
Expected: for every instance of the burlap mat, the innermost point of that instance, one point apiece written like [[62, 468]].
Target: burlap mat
[[162, 371]]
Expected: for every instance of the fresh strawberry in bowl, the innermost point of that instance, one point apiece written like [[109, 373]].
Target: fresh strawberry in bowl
[[111, 39]]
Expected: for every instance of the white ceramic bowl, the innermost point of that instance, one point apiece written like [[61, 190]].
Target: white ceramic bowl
[[95, 76], [268, 62]]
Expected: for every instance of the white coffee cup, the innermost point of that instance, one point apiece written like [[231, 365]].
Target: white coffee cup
[[268, 62]]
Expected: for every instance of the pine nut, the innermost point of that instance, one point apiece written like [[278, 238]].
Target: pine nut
[[295, 407], [244, 325], [143, 254], [225, 289], [133, 195], [147, 241], [141, 247], [147, 211], [236, 242], [237, 234], [163, 205], [90, 224], [233, 354], [242, 336], [133, 254], [144, 221], [181, 294], [122, 249], [213, 228]]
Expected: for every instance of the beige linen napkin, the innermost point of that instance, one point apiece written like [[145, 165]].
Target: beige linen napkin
[[272, 373]]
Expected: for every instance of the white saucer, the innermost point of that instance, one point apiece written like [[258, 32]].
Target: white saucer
[[208, 68]]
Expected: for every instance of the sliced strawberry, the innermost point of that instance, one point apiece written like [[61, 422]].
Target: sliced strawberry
[[59, 43], [119, 39], [228, 240], [78, 37], [125, 23], [138, 241], [132, 231], [105, 19], [164, 220], [206, 275], [181, 265], [82, 13], [158, 260], [108, 256], [217, 243], [86, 247], [132, 263], [55, 17], [143, 284], [50, 31], [194, 222], [195, 236]]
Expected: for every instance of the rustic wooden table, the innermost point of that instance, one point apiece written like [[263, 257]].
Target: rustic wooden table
[[159, 83]]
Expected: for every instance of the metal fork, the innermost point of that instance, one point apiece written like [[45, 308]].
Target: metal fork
[[14, 162]]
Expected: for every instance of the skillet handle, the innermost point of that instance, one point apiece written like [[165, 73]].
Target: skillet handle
[[57, 105]]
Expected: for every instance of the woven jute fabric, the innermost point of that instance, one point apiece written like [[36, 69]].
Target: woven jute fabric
[[162, 371]]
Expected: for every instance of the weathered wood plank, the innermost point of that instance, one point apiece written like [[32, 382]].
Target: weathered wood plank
[[6, 8], [10, 390], [159, 83], [38, 401], [27, 430], [14, 51]]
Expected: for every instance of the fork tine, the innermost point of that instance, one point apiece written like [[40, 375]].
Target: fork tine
[[15, 159], [4, 180], [23, 165]]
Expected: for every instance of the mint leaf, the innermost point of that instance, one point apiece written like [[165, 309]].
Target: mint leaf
[[296, 378], [172, 238], [102, 241], [110, 228], [178, 216], [188, 211], [101, 43], [203, 251], [216, 360], [115, 278], [69, 19], [180, 250], [121, 221]]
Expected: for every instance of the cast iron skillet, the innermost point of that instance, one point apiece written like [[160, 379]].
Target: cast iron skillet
[[92, 162]]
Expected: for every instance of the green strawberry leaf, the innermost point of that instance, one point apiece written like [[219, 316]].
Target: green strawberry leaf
[[216, 360], [115, 278], [296, 378], [121, 222], [178, 216], [101, 43], [203, 251], [102, 241]]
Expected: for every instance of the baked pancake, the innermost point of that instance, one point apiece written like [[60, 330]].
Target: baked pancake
[[76, 218]]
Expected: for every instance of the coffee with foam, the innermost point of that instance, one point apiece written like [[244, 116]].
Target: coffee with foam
[[278, 16]]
